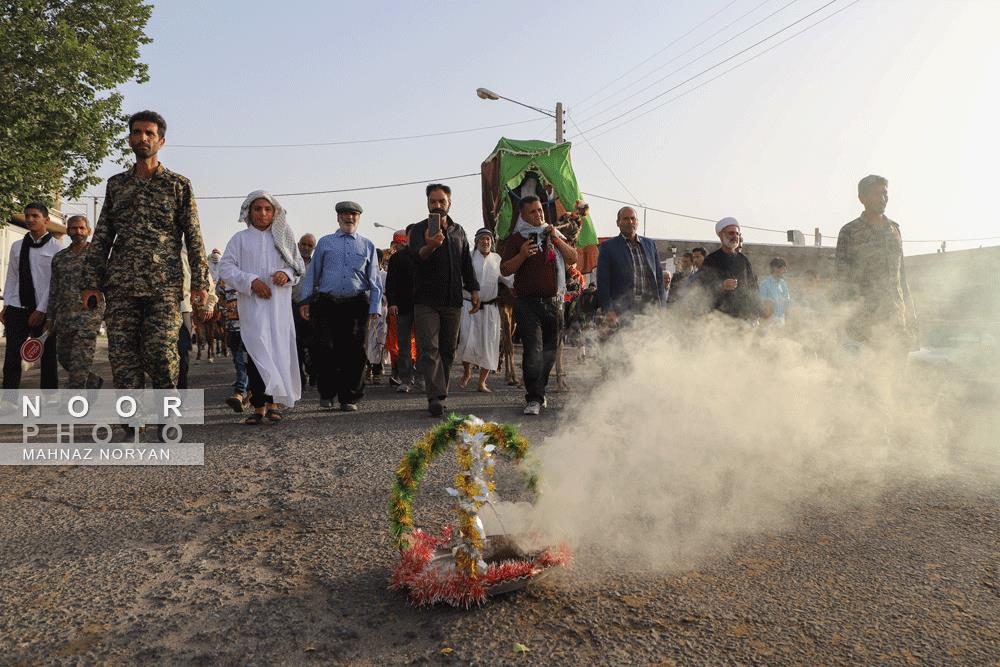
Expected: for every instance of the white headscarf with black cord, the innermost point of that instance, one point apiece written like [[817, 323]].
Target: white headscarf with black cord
[[526, 229], [284, 237]]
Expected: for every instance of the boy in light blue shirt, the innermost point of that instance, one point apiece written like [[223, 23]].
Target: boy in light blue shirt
[[774, 291]]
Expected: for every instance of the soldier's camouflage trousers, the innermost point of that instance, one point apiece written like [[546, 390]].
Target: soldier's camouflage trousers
[[76, 354], [142, 340]]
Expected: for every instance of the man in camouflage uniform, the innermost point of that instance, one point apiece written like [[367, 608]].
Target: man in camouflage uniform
[[76, 327], [870, 272], [149, 214]]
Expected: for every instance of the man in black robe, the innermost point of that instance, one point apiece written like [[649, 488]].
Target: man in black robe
[[727, 280]]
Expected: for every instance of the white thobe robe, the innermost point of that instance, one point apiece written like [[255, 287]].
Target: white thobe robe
[[266, 325], [479, 337], [377, 331]]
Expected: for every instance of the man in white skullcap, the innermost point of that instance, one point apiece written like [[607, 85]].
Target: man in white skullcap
[[262, 263], [727, 279]]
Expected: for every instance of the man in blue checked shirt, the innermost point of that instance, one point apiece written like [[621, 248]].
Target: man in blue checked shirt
[[341, 294]]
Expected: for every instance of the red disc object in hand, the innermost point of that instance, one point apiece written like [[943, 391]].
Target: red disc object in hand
[[31, 350]]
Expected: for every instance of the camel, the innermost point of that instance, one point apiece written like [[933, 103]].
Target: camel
[[505, 303]]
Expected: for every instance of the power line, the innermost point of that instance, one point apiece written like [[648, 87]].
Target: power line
[[76, 206], [984, 238], [681, 215], [637, 66], [727, 71], [689, 50], [658, 210], [709, 69], [589, 194], [346, 142], [606, 165], [768, 229], [328, 192], [422, 181]]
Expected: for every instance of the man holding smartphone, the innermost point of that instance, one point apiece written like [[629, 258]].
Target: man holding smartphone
[[443, 269]]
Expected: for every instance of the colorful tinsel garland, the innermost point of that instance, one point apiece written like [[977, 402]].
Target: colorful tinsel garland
[[427, 586], [417, 459], [470, 579]]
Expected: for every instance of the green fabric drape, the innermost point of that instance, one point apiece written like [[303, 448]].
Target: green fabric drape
[[504, 169]]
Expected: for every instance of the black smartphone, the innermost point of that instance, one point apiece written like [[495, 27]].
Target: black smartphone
[[433, 224], [533, 237]]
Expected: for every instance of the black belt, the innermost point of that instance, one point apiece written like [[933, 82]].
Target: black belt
[[485, 303], [337, 299]]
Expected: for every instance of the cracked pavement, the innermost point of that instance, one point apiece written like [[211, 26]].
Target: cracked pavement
[[276, 551]]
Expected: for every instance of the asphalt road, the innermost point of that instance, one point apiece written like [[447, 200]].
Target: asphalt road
[[276, 552]]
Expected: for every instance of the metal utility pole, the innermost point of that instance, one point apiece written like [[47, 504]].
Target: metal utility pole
[[559, 122], [487, 94]]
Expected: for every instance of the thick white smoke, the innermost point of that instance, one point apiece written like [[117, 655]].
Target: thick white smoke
[[707, 432]]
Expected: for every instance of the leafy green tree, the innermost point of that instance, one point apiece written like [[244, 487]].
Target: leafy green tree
[[60, 115]]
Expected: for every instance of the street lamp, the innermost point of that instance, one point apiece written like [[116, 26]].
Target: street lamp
[[379, 224], [487, 94]]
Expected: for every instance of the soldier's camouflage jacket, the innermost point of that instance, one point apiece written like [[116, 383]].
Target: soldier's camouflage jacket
[[870, 272], [135, 251], [66, 312]]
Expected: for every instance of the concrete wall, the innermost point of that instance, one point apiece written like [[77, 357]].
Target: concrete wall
[[960, 285], [800, 258]]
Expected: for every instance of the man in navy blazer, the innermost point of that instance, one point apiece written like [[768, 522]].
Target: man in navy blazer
[[629, 275]]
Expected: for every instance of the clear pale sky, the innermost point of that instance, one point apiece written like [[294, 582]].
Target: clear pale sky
[[903, 88]]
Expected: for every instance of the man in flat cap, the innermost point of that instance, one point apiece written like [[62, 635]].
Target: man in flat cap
[[726, 278], [341, 294]]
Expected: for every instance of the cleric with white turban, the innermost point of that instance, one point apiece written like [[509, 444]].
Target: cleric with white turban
[[727, 279]]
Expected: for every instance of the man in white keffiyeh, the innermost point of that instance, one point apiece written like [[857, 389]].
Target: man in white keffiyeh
[[262, 263], [284, 237], [537, 255]]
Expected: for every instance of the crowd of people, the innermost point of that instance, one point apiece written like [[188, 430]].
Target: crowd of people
[[337, 312]]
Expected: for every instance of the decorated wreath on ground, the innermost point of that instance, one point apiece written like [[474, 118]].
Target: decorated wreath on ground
[[462, 568]]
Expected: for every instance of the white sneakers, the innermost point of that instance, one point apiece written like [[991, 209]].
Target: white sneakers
[[533, 408]]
